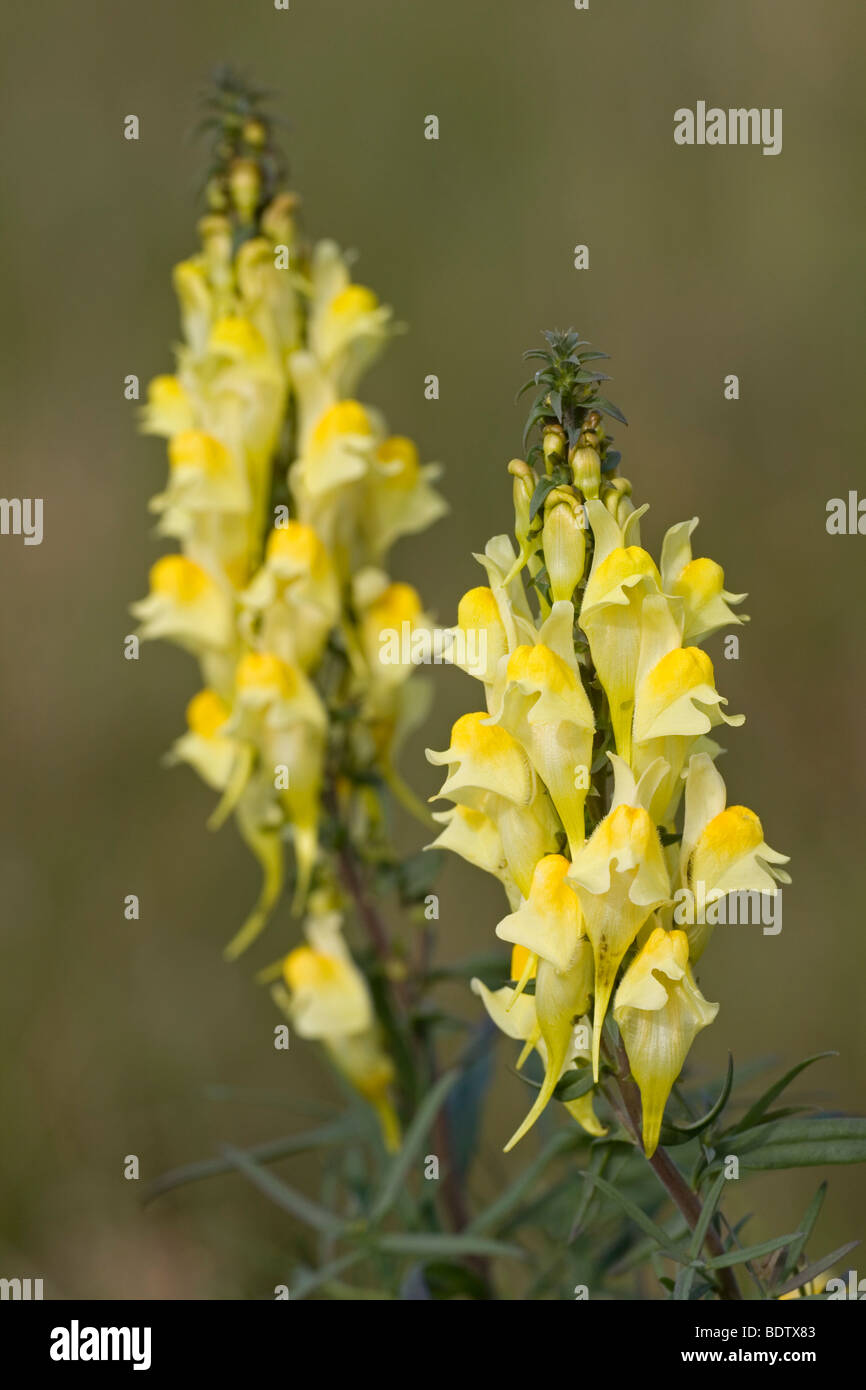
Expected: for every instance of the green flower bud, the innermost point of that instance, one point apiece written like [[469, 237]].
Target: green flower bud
[[245, 183], [586, 469], [554, 443], [616, 496], [524, 487]]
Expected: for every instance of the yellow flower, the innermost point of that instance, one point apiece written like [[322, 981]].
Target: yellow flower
[[621, 578], [295, 596], [700, 585], [185, 605], [722, 851], [348, 327], [546, 707], [206, 746], [516, 1016], [659, 1010], [400, 499], [329, 1001], [620, 878], [169, 409], [489, 771], [480, 638]]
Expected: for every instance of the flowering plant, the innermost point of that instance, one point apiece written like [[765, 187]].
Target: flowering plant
[[584, 779]]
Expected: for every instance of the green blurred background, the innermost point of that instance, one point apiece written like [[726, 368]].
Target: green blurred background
[[556, 128]]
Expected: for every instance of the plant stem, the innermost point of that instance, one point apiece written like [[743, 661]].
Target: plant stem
[[668, 1174]]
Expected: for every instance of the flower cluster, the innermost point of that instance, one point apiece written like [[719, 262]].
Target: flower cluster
[[284, 494], [593, 746]]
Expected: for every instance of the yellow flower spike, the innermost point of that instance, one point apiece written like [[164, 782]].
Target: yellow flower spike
[[546, 707], [564, 543], [549, 923], [560, 999], [699, 583], [185, 605], [168, 409], [659, 1011], [620, 878]]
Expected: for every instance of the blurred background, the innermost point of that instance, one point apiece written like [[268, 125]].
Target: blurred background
[[556, 128]]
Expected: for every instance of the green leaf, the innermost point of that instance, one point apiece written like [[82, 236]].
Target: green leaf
[[465, 1104], [756, 1112], [797, 1143], [441, 1244], [806, 1227], [490, 965], [683, 1285], [274, 1149], [295, 1203], [679, 1134], [543, 487], [573, 1084], [415, 1135], [506, 1202], [607, 408], [748, 1252], [315, 1278], [815, 1268], [647, 1225], [417, 875], [446, 1280], [708, 1211]]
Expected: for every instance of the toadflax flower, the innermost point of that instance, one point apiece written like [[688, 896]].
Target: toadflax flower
[[284, 493], [600, 702]]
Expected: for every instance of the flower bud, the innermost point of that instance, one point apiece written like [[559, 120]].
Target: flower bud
[[616, 496], [554, 443], [245, 183], [524, 487], [586, 469], [278, 218], [255, 133], [564, 543]]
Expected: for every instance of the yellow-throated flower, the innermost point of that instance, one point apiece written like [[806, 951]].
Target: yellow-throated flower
[[659, 1011]]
